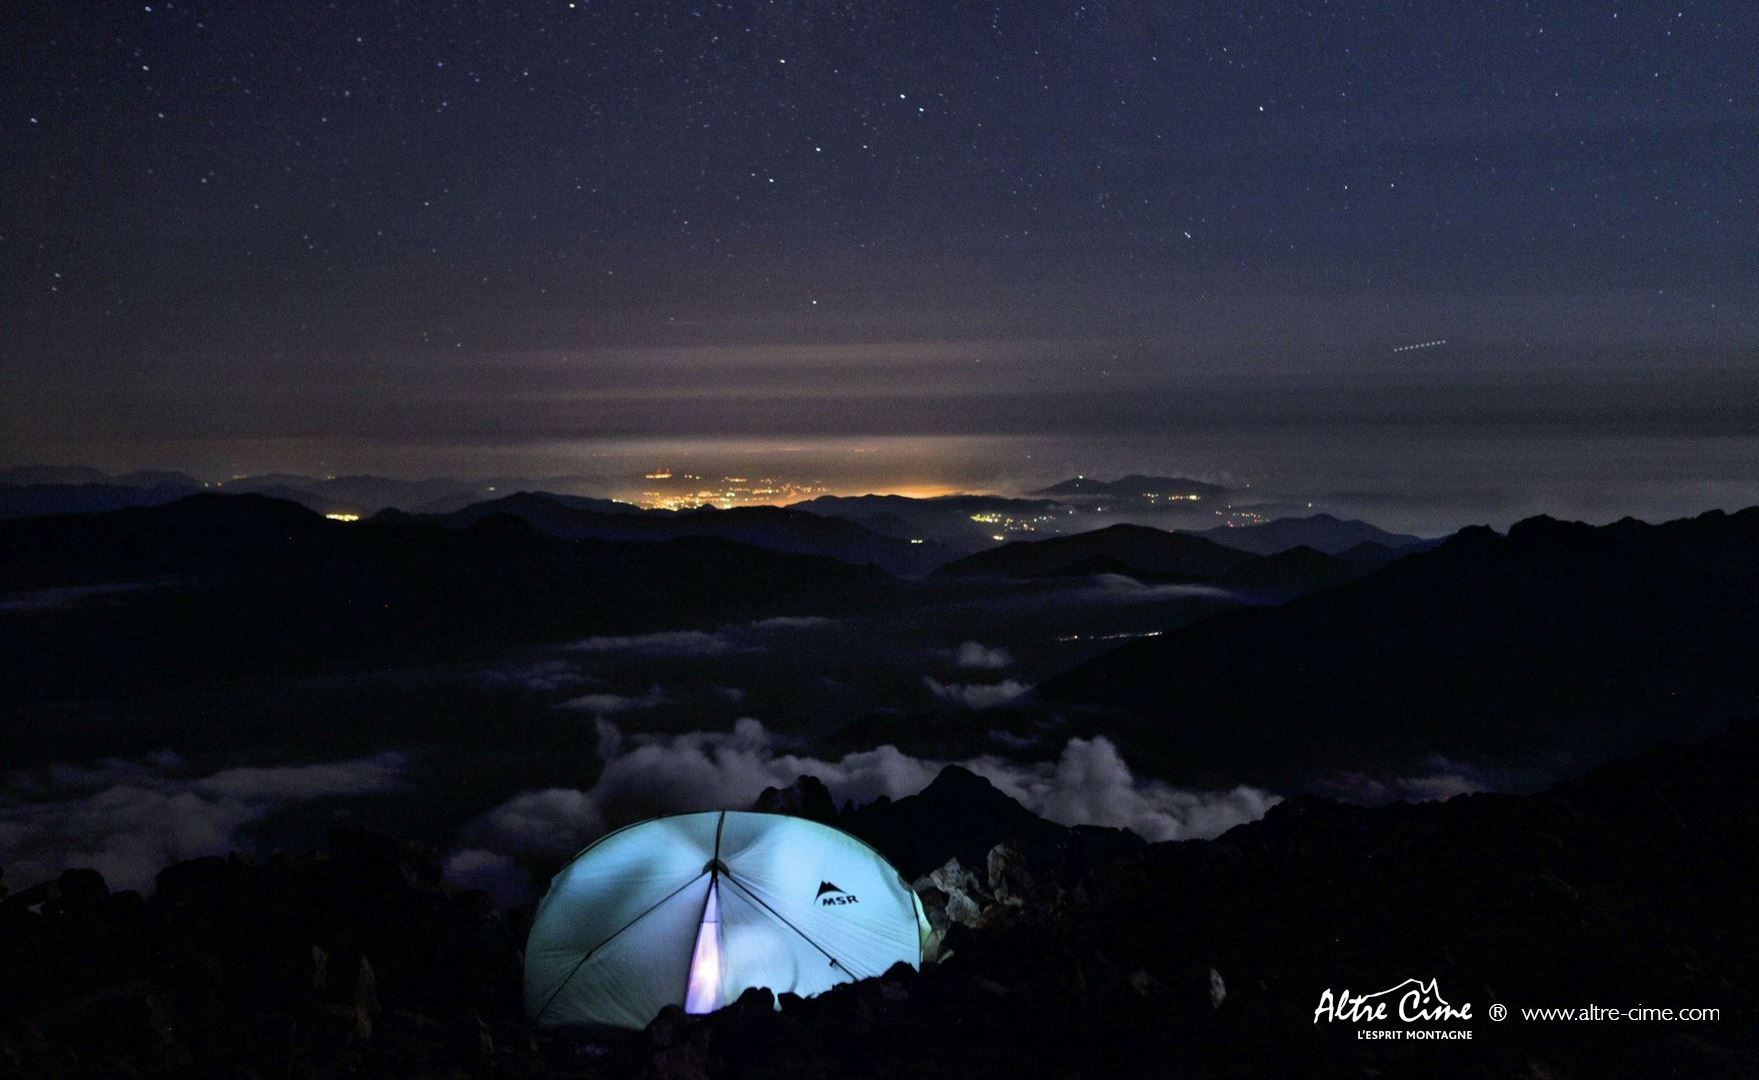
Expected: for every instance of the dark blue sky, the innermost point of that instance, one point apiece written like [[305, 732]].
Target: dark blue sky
[[299, 234]]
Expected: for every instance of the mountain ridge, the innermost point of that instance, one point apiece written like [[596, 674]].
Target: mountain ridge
[[1322, 532], [1559, 644]]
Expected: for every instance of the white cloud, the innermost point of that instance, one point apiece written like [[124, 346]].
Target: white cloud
[[1119, 588], [62, 778], [975, 654], [67, 596], [734, 637], [540, 676], [550, 824], [1090, 784], [664, 643], [148, 819], [715, 770], [975, 695], [1443, 780], [1439, 786], [296, 783], [792, 622], [492, 872], [607, 704]]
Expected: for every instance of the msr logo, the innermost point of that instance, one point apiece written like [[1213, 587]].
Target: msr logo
[[831, 896]]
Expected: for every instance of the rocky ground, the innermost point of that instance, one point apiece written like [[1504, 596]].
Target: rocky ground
[[1064, 951]]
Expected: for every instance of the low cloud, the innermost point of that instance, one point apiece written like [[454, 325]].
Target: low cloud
[[548, 676], [547, 824], [974, 654], [295, 783], [610, 704], [975, 695], [714, 770], [1440, 779], [736, 637], [1440, 786], [1064, 597], [141, 817], [67, 596], [1119, 588], [62, 778], [1089, 784], [668, 643], [791, 622], [702, 770], [494, 873]]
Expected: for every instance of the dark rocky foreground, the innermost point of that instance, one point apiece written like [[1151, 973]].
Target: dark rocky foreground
[[1068, 952]]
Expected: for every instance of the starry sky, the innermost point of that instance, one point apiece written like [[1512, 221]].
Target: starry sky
[[891, 241]]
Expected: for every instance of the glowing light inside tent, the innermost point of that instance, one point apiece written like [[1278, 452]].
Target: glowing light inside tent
[[703, 994]]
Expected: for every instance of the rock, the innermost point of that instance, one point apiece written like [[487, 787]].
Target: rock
[[686, 1062], [366, 1000], [677, 1046], [755, 1001], [1107, 957], [669, 1027], [959, 814], [23, 1049], [951, 895], [80, 890], [806, 797], [1009, 879], [268, 1042], [364, 851], [476, 1039], [1143, 983]]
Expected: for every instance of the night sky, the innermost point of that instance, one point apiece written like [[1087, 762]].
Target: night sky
[[899, 242]]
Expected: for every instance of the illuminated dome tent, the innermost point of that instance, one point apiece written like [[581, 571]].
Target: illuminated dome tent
[[693, 910]]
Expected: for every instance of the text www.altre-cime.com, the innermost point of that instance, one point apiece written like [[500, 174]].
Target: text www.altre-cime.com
[[1639, 1013]]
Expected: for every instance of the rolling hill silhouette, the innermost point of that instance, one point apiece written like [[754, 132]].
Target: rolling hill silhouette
[[1137, 550], [776, 528], [1321, 532], [250, 585]]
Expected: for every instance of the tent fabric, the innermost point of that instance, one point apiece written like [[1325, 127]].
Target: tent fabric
[[695, 909]]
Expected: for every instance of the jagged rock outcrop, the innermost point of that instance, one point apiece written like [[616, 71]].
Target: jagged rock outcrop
[[237, 964], [806, 797]]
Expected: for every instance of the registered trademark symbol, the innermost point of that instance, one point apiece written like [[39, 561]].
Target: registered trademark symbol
[[1498, 1011]]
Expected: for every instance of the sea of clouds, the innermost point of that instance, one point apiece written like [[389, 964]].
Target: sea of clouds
[[129, 819], [1089, 783]]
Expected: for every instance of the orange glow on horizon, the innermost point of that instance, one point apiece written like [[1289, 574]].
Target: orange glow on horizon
[[909, 491]]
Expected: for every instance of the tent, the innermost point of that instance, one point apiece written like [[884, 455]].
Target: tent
[[694, 909]]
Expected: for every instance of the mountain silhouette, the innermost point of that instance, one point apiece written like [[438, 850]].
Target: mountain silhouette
[[1321, 532], [776, 528], [1557, 646], [246, 585], [952, 520], [1134, 487], [1137, 550]]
